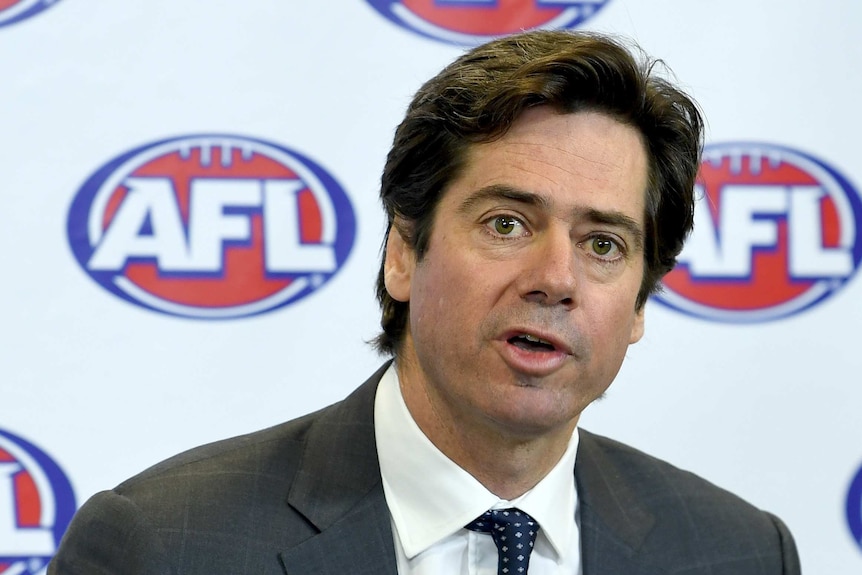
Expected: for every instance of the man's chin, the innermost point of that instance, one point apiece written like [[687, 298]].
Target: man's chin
[[536, 419]]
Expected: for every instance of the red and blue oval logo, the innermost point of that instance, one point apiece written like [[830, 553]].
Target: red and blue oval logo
[[36, 506], [777, 231], [14, 11], [211, 226], [471, 22]]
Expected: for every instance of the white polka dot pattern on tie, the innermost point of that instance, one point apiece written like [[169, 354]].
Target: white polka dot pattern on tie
[[514, 532]]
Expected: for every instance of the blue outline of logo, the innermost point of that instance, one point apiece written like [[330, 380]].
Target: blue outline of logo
[[823, 288], [854, 508], [576, 12], [24, 10], [64, 501], [344, 225]]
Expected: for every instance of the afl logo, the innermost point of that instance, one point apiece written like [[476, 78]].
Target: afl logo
[[470, 22], [776, 232], [13, 11], [211, 226], [854, 508], [36, 506]]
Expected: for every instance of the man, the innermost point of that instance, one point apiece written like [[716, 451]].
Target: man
[[537, 191]]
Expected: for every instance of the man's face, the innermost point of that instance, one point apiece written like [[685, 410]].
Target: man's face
[[523, 307]]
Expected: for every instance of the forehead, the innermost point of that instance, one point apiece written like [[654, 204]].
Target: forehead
[[580, 160]]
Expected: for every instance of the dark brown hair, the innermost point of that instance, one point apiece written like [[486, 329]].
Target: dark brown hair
[[478, 97]]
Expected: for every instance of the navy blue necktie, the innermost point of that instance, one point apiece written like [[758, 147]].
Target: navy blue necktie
[[514, 532]]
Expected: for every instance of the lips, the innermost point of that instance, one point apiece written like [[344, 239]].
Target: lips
[[533, 340], [530, 342], [533, 353]]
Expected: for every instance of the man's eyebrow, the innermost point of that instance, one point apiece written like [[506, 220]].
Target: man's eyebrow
[[504, 192], [617, 219]]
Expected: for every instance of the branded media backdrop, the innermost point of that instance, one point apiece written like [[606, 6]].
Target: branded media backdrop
[[190, 235]]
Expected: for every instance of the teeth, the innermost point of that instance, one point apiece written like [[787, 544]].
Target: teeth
[[535, 339]]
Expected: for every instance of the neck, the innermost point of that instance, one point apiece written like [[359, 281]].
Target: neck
[[514, 468], [506, 460]]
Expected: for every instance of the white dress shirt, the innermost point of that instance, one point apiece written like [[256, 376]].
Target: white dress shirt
[[430, 499]]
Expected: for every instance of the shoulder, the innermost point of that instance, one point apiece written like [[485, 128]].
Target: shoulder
[[189, 508], [649, 483], [654, 481], [272, 450], [269, 455], [673, 514], [218, 503]]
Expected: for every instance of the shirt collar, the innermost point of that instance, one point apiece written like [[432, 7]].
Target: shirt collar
[[409, 463]]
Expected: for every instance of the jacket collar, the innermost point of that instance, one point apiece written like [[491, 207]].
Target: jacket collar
[[614, 521], [339, 491]]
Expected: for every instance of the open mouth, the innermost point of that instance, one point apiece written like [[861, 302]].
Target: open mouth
[[531, 343]]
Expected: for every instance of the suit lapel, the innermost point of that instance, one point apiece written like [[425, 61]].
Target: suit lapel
[[338, 490], [614, 523]]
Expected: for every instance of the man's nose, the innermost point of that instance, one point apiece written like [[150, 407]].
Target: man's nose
[[550, 277]]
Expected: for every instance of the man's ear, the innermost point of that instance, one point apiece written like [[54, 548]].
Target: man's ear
[[398, 266], [638, 325]]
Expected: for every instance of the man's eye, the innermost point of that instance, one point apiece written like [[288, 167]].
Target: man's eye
[[603, 246], [505, 225]]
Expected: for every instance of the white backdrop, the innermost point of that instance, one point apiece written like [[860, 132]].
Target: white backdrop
[[769, 410]]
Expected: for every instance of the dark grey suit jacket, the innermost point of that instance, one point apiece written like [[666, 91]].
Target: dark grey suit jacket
[[305, 497]]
